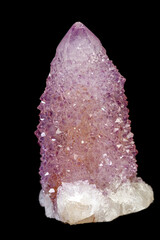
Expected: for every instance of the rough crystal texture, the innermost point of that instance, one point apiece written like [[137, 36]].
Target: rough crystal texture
[[88, 156]]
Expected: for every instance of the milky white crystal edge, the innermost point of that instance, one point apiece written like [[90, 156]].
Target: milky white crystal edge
[[81, 202]]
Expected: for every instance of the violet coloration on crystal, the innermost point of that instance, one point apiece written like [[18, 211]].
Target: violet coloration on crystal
[[88, 155]]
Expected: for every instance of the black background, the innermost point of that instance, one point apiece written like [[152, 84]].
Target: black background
[[129, 32]]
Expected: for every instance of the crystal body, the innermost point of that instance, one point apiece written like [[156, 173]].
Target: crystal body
[[84, 130]]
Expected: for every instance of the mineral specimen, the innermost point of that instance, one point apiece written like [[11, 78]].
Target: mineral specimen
[[88, 166]]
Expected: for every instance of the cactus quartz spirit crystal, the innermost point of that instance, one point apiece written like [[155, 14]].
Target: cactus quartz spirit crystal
[[88, 166]]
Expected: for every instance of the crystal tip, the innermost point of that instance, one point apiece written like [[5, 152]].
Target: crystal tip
[[78, 43], [78, 25]]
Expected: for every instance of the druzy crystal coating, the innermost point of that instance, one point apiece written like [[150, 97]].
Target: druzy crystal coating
[[84, 130]]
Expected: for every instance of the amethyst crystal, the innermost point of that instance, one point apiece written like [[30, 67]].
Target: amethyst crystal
[[88, 156]]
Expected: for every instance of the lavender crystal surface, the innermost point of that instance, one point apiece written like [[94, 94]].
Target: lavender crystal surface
[[84, 130]]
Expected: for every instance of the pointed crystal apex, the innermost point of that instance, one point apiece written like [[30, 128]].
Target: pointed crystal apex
[[79, 44], [78, 25]]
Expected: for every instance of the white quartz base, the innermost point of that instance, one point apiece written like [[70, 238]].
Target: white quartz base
[[81, 202]]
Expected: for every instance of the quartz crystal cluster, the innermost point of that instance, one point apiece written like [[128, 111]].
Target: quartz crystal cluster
[[88, 155]]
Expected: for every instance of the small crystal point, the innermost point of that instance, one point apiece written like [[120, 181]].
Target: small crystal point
[[88, 155], [79, 43]]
